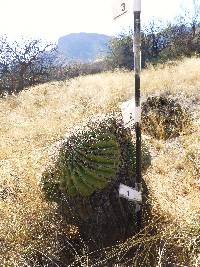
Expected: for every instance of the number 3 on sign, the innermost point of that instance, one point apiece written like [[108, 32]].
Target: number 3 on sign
[[123, 6], [120, 7]]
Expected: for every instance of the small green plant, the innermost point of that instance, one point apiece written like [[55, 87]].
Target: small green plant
[[90, 158], [91, 164], [163, 117], [87, 161]]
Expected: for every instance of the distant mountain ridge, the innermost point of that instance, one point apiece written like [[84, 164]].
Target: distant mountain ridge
[[83, 47]]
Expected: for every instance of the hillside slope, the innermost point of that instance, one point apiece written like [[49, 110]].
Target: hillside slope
[[38, 117], [83, 47]]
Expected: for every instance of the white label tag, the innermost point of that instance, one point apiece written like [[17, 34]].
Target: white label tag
[[137, 114], [130, 193], [130, 113], [128, 109], [120, 7]]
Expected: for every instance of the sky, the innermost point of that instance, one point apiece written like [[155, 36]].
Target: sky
[[51, 19]]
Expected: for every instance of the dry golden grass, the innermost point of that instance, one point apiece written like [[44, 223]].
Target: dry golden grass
[[35, 119]]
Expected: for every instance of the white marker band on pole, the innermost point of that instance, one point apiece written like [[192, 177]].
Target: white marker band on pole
[[138, 114], [130, 193], [136, 5]]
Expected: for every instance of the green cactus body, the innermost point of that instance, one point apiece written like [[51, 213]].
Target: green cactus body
[[82, 187], [91, 178], [87, 161], [84, 181]]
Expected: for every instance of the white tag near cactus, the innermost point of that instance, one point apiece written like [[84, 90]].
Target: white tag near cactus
[[137, 114], [128, 109], [130, 193], [130, 113]]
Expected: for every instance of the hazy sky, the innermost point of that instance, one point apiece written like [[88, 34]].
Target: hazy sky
[[51, 19]]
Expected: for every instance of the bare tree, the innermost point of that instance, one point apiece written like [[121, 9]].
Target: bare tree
[[29, 61], [24, 63]]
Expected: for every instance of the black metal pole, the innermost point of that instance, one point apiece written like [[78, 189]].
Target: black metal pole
[[137, 67]]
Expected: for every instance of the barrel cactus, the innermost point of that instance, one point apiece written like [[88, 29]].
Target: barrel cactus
[[163, 117], [90, 165], [87, 161]]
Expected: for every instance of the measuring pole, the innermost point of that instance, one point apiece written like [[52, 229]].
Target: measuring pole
[[137, 67], [121, 7]]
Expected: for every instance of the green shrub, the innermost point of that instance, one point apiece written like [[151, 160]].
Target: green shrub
[[163, 117]]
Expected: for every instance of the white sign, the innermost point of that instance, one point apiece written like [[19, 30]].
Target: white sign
[[120, 7], [127, 109], [130, 113], [130, 193]]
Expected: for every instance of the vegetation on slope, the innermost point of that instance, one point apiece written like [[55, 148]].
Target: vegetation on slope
[[38, 117]]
